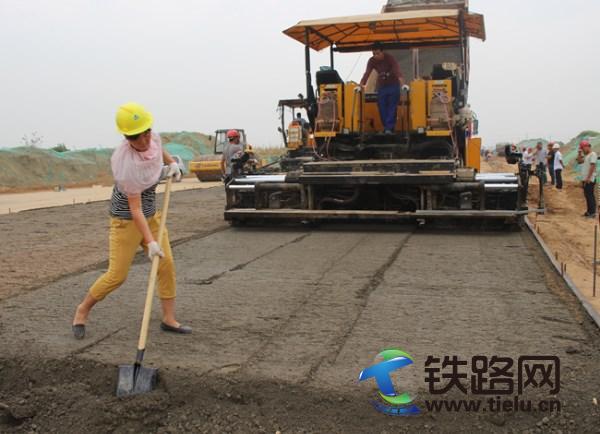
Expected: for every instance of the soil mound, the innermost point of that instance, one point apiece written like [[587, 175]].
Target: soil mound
[[28, 168]]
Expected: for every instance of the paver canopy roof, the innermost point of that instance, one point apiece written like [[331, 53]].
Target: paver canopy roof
[[410, 27]]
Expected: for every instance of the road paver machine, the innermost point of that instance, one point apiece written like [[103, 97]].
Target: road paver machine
[[339, 164]]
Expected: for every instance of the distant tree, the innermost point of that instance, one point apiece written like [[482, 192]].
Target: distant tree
[[33, 140], [61, 147]]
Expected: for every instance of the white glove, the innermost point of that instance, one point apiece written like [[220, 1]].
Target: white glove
[[154, 250], [406, 88], [174, 171]]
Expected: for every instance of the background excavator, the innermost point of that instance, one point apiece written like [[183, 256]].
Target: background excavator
[[341, 165]]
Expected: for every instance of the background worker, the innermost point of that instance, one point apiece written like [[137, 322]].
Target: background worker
[[540, 155], [588, 172], [580, 157], [305, 125], [252, 164], [524, 164], [528, 158], [137, 165], [550, 161], [557, 165], [389, 83], [231, 148], [303, 122]]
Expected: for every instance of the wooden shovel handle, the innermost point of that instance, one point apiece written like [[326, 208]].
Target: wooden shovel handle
[[154, 269]]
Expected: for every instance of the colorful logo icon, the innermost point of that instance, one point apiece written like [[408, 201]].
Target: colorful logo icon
[[390, 402]]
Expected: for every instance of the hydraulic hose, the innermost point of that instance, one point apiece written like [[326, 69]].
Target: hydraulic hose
[[340, 202]]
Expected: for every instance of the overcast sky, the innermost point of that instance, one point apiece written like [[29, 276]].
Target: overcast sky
[[201, 65]]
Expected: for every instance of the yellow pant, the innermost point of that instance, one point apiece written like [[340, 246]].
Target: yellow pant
[[125, 238]]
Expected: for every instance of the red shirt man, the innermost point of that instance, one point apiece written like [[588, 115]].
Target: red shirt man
[[386, 66], [389, 81]]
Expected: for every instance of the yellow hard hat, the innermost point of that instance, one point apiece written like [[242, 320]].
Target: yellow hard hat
[[133, 118]]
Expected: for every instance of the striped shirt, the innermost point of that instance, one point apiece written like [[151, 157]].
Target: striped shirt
[[119, 204]]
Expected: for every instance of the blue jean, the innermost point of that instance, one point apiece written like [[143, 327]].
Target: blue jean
[[387, 100]]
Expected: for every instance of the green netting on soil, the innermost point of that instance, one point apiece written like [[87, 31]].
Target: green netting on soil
[[185, 152], [30, 167], [199, 143], [27, 167]]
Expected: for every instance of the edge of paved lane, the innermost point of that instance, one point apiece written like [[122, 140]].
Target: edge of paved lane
[[564, 277]]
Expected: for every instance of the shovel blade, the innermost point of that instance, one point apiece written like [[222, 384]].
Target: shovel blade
[[134, 380]]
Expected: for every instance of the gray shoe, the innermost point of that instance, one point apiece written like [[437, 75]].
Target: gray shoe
[[78, 331], [184, 330]]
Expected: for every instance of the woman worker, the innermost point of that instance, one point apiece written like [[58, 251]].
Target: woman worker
[[137, 165]]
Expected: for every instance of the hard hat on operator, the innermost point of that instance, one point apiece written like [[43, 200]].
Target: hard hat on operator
[[232, 134]]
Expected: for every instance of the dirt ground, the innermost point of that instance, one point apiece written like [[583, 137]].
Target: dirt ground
[[50, 243], [564, 229], [284, 320], [23, 201]]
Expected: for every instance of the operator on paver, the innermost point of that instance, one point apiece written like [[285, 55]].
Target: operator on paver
[[389, 83], [229, 151], [137, 165]]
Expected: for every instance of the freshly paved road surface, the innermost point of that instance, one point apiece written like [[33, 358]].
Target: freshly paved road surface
[[310, 308]]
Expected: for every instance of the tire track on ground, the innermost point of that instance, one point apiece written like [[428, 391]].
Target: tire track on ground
[[97, 341], [280, 328], [243, 265], [363, 295]]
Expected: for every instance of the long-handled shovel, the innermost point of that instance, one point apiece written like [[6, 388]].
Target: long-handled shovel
[[135, 379]]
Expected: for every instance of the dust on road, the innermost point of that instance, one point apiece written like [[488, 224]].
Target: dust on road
[[284, 320]]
